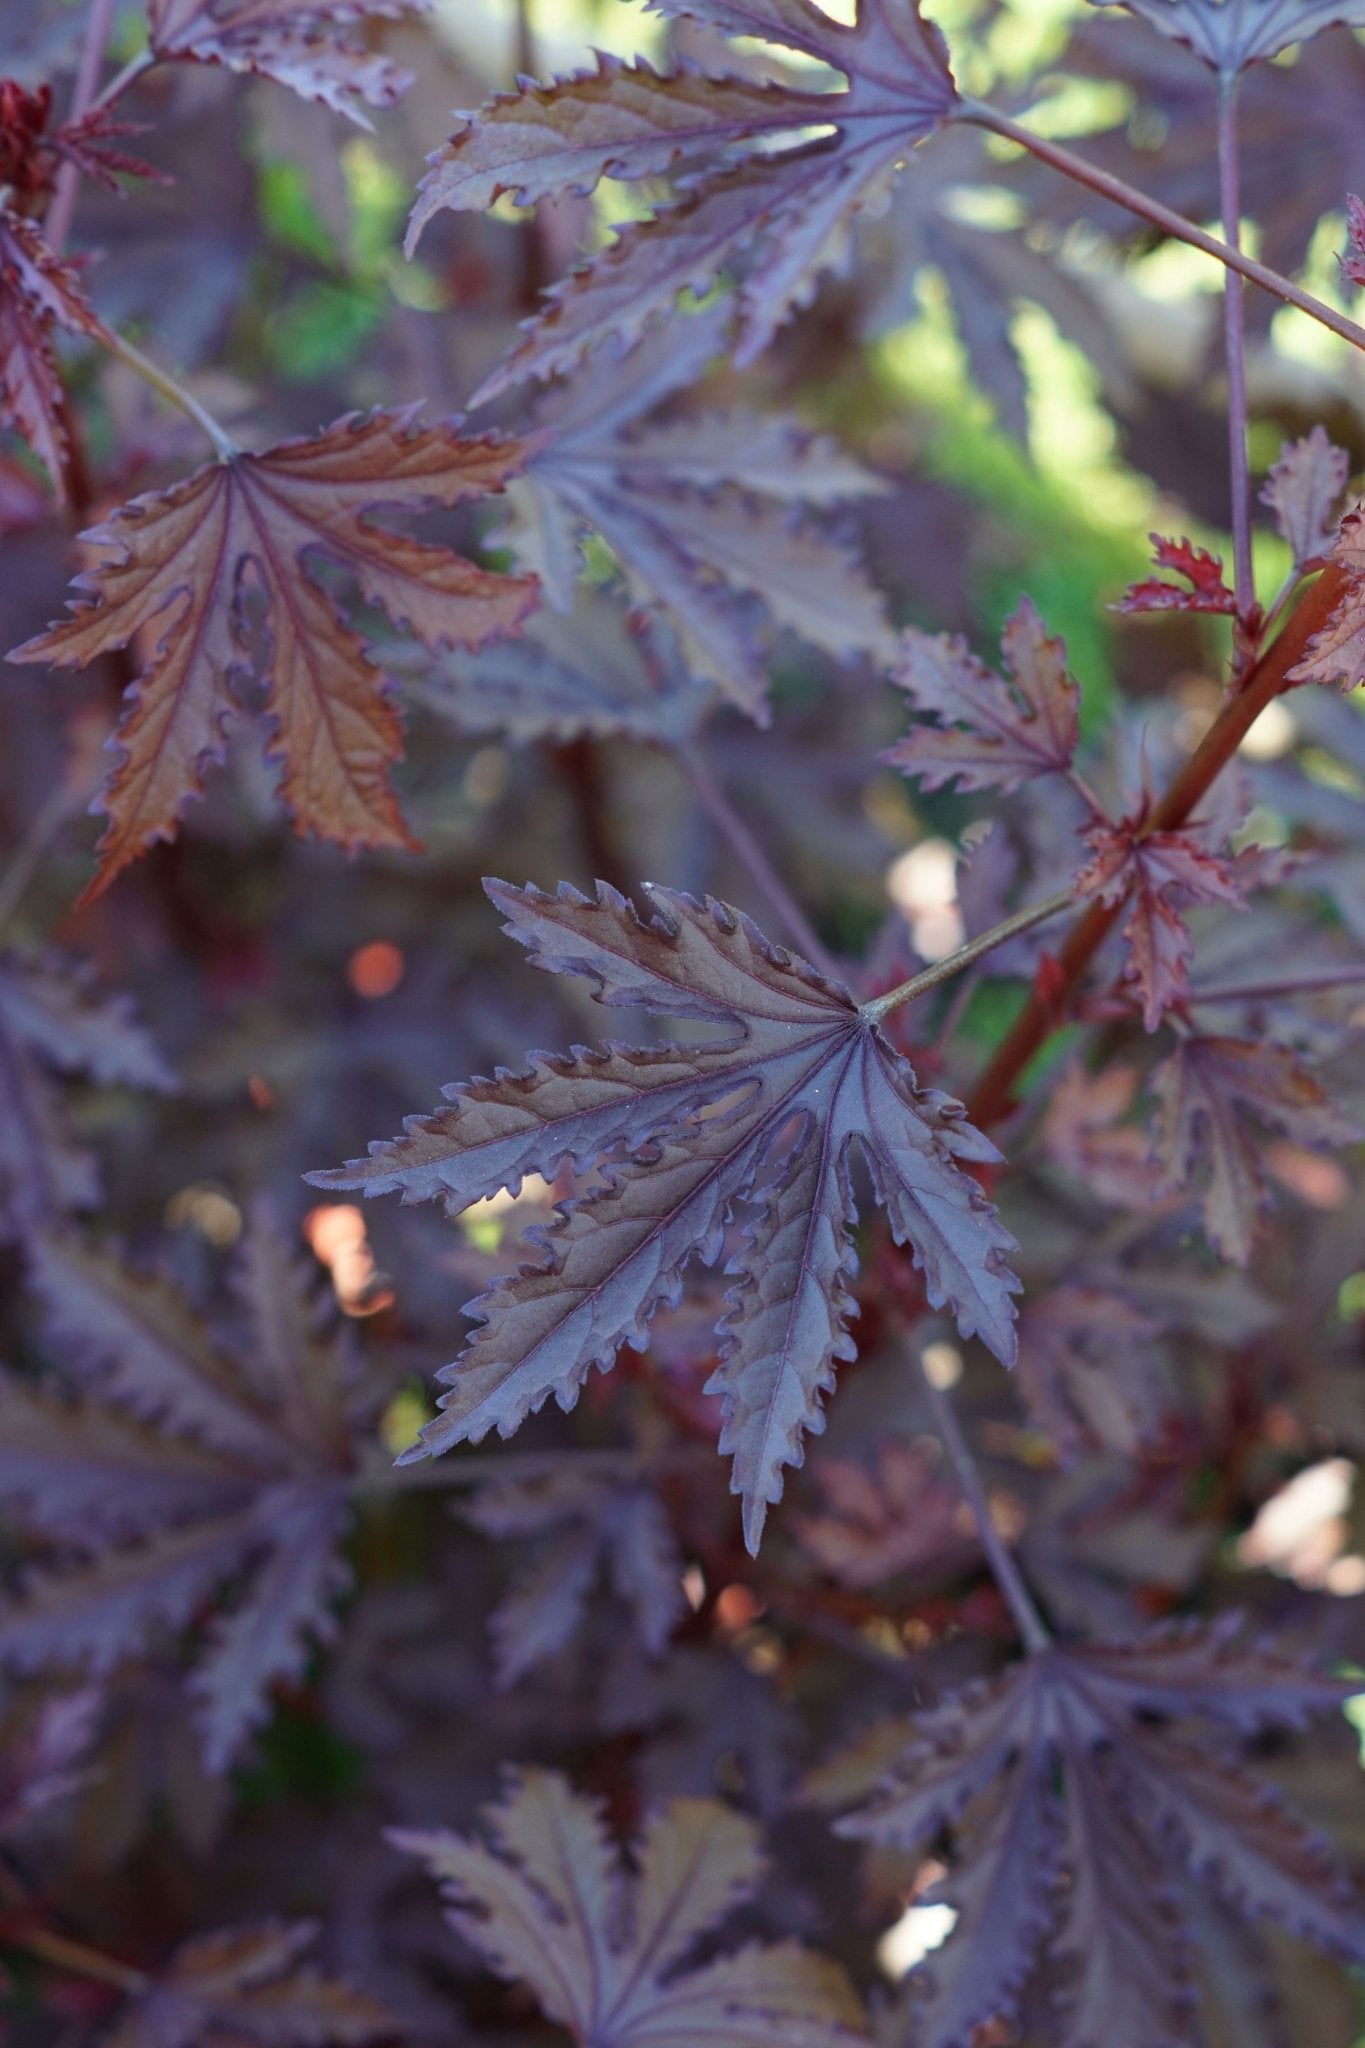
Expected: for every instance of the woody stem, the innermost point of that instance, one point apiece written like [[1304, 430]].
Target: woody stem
[[1006, 1572]]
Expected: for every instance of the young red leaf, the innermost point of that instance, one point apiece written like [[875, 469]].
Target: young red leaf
[[1201, 570], [1211, 1091], [768, 1114], [991, 733], [1155, 869], [308, 45], [607, 1953], [37, 294], [1303, 489], [1231, 34], [1337, 655], [179, 566], [787, 211]]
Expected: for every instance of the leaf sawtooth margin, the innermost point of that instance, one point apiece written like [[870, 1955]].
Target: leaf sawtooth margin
[[761, 1122]]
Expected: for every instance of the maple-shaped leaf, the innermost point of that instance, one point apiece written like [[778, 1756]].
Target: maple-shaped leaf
[[188, 1469], [1084, 1808], [767, 1115], [1231, 34], [901, 1515], [596, 673], [1337, 654], [597, 1524], [179, 569], [1213, 1092], [756, 188], [1202, 571], [991, 732], [608, 1953], [248, 1984], [1154, 871], [1090, 1372], [1083, 1132], [702, 513], [37, 295], [309, 45], [1303, 489], [53, 1019]]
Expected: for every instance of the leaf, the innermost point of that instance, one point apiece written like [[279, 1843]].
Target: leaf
[[1090, 1372], [1353, 263], [184, 1474], [1211, 1091], [1083, 1133], [1201, 570], [753, 189], [1155, 870], [606, 1954], [1337, 654], [990, 732], [596, 1524], [1232, 34], [700, 512], [53, 1019], [37, 294], [687, 1133], [247, 1984], [184, 565], [900, 1516], [1146, 1815], [593, 673], [303, 44], [41, 1759], [1302, 490]]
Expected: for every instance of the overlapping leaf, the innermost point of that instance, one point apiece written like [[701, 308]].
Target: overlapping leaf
[[1212, 1092], [900, 1515], [182, 567], [785, 212], [1303, 490], [37, 295], [702, 513], [989, 732], [315, 47], [187, 1470], [686, 1134], [1154, 872], [1337, 655], [1090, 1370], [249, 1984], [1231, 34], [592, 1524], [54, 1020], [1084, 1811], [608, 1955]]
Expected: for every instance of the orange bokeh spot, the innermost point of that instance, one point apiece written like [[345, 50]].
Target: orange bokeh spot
[[376, 969], [335, 1233]]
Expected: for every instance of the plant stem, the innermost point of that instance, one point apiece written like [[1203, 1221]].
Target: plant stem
[[1269, 675], [1234, 344], [1285, 985], [1016, 1594], [98, 24], [754, 860], [120, 82], [953, 963], [1134, 201], [81, 1961], [224, 447]]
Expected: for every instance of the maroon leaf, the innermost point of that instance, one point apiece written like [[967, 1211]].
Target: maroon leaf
[[1153, 868], [1303, 489], [179, 567], [307, 45], [607, 1954], [767, 1115], [1337, 655], [1231, 34], [1201, 570], [247, 1984], [1212, 1091], [899, 1516], [990, 733], [785, 210], [37, 295], [1090, 1372]]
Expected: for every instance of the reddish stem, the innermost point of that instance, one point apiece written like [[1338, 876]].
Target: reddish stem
[[99, 23]]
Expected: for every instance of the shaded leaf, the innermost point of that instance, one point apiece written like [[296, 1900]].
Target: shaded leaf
[[1090, 1371], [1302, 490], [1153, 871], [184, 565], [687, 1133], [37, 295], [606, 1954], [308, 45], [1231, 34], [900, 1515], [1212, 1091], [248, 1984], [990, 732]]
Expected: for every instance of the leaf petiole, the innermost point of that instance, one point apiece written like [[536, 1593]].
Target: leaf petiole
[[953, 963]]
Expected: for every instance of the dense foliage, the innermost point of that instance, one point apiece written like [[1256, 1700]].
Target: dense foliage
[[975, 1163]]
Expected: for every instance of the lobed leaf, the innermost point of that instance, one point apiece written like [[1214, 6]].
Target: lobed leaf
[[989, 732], [1229, 35], [304, 44]]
